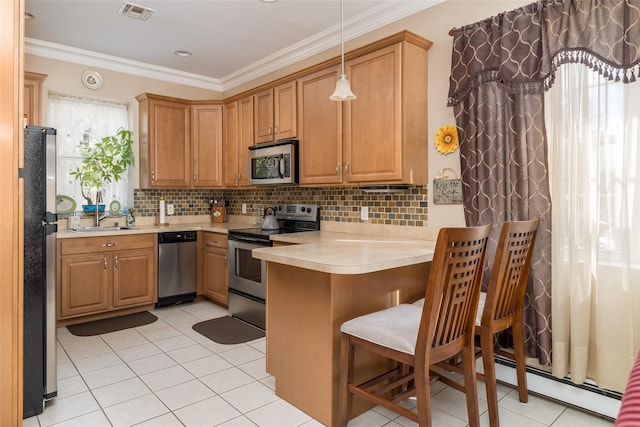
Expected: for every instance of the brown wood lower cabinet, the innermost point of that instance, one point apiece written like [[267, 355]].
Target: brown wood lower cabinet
[[214, 256], [98, 275]]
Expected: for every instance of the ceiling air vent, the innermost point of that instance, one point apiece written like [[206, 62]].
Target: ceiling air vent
[[135, 11]]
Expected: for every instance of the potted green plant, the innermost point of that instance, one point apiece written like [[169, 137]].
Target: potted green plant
[[103, 162]]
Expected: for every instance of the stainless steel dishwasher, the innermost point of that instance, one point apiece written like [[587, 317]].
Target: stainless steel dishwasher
[[176, 267]]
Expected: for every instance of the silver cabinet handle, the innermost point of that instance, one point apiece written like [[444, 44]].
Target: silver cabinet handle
[[109, 245], [276, 130], [105, 264], [346, 168], [270, 130], [116, 262], [195, 179], [212, 242], [338, 170], [153, 176]]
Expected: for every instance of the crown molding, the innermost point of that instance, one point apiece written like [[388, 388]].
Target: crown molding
[[375, 17]]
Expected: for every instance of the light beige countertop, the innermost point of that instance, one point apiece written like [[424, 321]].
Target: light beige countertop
[[146, 226], [346, 253], [341, 249]]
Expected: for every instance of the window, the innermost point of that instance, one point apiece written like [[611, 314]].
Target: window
[[79, 121], [594, 159]]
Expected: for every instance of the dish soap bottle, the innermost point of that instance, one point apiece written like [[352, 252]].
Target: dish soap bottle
[[131, 220]]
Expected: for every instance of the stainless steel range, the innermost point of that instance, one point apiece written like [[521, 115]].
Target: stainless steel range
[[247, 286]]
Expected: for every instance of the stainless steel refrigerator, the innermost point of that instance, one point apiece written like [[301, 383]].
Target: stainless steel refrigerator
[[40, 228]]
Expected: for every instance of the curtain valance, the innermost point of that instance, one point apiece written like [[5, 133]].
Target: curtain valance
[[522, 48]]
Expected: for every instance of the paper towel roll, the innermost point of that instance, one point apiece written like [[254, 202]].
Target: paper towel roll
[[161, 217]]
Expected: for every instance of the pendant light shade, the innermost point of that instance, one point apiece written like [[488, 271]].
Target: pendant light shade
[[343, 88]]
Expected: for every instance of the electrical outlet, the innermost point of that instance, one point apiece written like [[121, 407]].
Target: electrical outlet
[[170, 210], [364, 213], [244, 208]]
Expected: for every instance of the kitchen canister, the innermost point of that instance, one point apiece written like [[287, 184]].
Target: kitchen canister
[[218, 214]]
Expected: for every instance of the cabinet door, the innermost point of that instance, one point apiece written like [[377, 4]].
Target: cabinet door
[[32, 97], [238, 138], [206, 133], [320, 128], [285, 125], [169, 144], [84, 284], [245, 138], [263, 116], [215, 274], [230, 144], [134, 277], [373, 122]]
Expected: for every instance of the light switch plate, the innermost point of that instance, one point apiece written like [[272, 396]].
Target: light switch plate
[[170, 210], [364, 213], [244, 208]]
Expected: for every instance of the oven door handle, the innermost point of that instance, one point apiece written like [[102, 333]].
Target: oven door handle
[[247, 239]]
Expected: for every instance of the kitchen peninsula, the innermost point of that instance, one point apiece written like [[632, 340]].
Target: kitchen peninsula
[[317, 284]]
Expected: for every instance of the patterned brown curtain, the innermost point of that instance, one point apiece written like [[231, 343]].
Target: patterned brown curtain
[[500, 68]]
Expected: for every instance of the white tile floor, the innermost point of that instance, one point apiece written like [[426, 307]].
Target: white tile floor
[[165, 374]]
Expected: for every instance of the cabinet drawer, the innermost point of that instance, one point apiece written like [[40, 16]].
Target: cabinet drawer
[[106, 243], [218, 240]]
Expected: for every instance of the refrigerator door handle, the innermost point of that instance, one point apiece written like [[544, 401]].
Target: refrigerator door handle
[[50, 217], [49, 228]]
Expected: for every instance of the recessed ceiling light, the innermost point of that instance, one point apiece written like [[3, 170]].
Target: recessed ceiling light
[[268, 1], [183, 53], [28, 16]]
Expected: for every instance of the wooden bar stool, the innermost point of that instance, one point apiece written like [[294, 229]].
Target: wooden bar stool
[[417, 337], [501, 308]]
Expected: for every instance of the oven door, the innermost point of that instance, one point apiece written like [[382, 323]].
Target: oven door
[[247, 284]]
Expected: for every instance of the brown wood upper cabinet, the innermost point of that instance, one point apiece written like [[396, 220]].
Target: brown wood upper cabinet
[[33, 97], [206, 145], [275, 113], [380, 137], [320, 128], [238, 137], [180, 143]]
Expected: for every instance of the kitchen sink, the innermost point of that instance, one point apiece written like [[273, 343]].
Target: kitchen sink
[[111, 228]]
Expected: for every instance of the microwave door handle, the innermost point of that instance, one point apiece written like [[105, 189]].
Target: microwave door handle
[[281, 166]]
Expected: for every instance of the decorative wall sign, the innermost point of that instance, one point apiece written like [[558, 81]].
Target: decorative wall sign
[[447, 191]]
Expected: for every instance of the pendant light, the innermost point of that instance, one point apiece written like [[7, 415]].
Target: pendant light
[[343, 89]]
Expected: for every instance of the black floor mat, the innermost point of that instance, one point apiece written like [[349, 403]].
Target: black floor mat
[[104, 326], [228, 330]]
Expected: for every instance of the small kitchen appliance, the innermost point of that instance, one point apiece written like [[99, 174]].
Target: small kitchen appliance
[[274, 163], [247, 284]]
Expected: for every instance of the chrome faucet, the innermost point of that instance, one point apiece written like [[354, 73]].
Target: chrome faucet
[[97, 213]]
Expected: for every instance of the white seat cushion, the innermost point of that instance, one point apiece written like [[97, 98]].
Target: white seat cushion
[[483, 298], [395, 327]]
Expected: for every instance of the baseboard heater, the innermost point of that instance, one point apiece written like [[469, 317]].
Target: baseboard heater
[[586, 396]]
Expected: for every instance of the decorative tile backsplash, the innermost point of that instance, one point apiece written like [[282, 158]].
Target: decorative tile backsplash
[[339, 204]]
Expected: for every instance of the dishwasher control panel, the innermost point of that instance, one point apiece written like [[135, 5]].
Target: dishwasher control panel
[[177, 236]]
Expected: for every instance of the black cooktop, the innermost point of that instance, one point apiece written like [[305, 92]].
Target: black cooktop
[[292, 218], [260, 231]]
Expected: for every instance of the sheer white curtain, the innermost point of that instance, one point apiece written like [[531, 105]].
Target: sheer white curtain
[[80, 120], [593, 129]]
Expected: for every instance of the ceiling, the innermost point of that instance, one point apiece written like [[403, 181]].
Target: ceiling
[[232, 41]]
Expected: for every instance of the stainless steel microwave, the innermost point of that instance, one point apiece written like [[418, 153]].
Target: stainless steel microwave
[[274, 163]]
